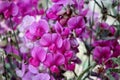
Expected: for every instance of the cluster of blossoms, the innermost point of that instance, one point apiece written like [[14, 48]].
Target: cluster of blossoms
[[48, 38]]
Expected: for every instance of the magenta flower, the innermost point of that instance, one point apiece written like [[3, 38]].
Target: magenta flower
[[39, 76], [27, 7], [21, 72], [116, 50], [112, 44], [64, 2], [101, 54], [51, 40], [76, 23], [37, 29], [68, 56], [33, 69], [54, 60], [9, 9], [4, 5], [105, 26], [39, 53], [63, 31], [79, 5], [52, 13], [34, 61]]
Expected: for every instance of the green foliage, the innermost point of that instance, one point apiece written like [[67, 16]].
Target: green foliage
[[85, 71], [17, 57], [109, 75], [116, 60]]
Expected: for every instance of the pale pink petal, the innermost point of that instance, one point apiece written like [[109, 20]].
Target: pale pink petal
[[41, 76], [59, 59], [49, 60], [32, 69], [46, 40]]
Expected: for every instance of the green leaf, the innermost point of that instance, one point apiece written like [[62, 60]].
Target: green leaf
[[86, 70], [1, 77], [109, 75], [116, 60], [15, 56], [118, 30], [114, 70]]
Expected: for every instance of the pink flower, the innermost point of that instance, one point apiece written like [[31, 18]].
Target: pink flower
[[63, 31], [9, 9], [51, 40], [53, 61], [41, 76], [21, 72], [37, 29], [33, 69], [34, 61], [106, 26], [101, 54], [39, 53], [52, 13], [64, 2], [76, 22]]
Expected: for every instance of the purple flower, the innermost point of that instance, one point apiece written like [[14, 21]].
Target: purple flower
[[33, 69], [37, 29], [54, 60], [27, 7], [76, 22], [79, 5], [8, 9], [101, 54], [41, 76], [34, 61], [21, 72], [4, 5], [64, 2], [116, 51], [105, 26], [39, 53], [51, 40], [27, 76], [52, 13]]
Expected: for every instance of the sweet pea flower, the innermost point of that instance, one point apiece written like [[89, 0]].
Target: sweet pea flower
[[8, 9], [52, 13], [21, 72], [34, 61], [39, 76], [64, 2], [51, 40], [76, 22], [37, 29], [63, 31], [39, 53], [53, 61], [101, 54]]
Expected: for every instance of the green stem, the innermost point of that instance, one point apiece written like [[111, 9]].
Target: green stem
[[86, 70], [17, 44]]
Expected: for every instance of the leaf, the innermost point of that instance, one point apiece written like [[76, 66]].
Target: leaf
[[86, 70], [114, 70], [109, 75], [118, 30], [15, 56], [1, 77], [116, 60]]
